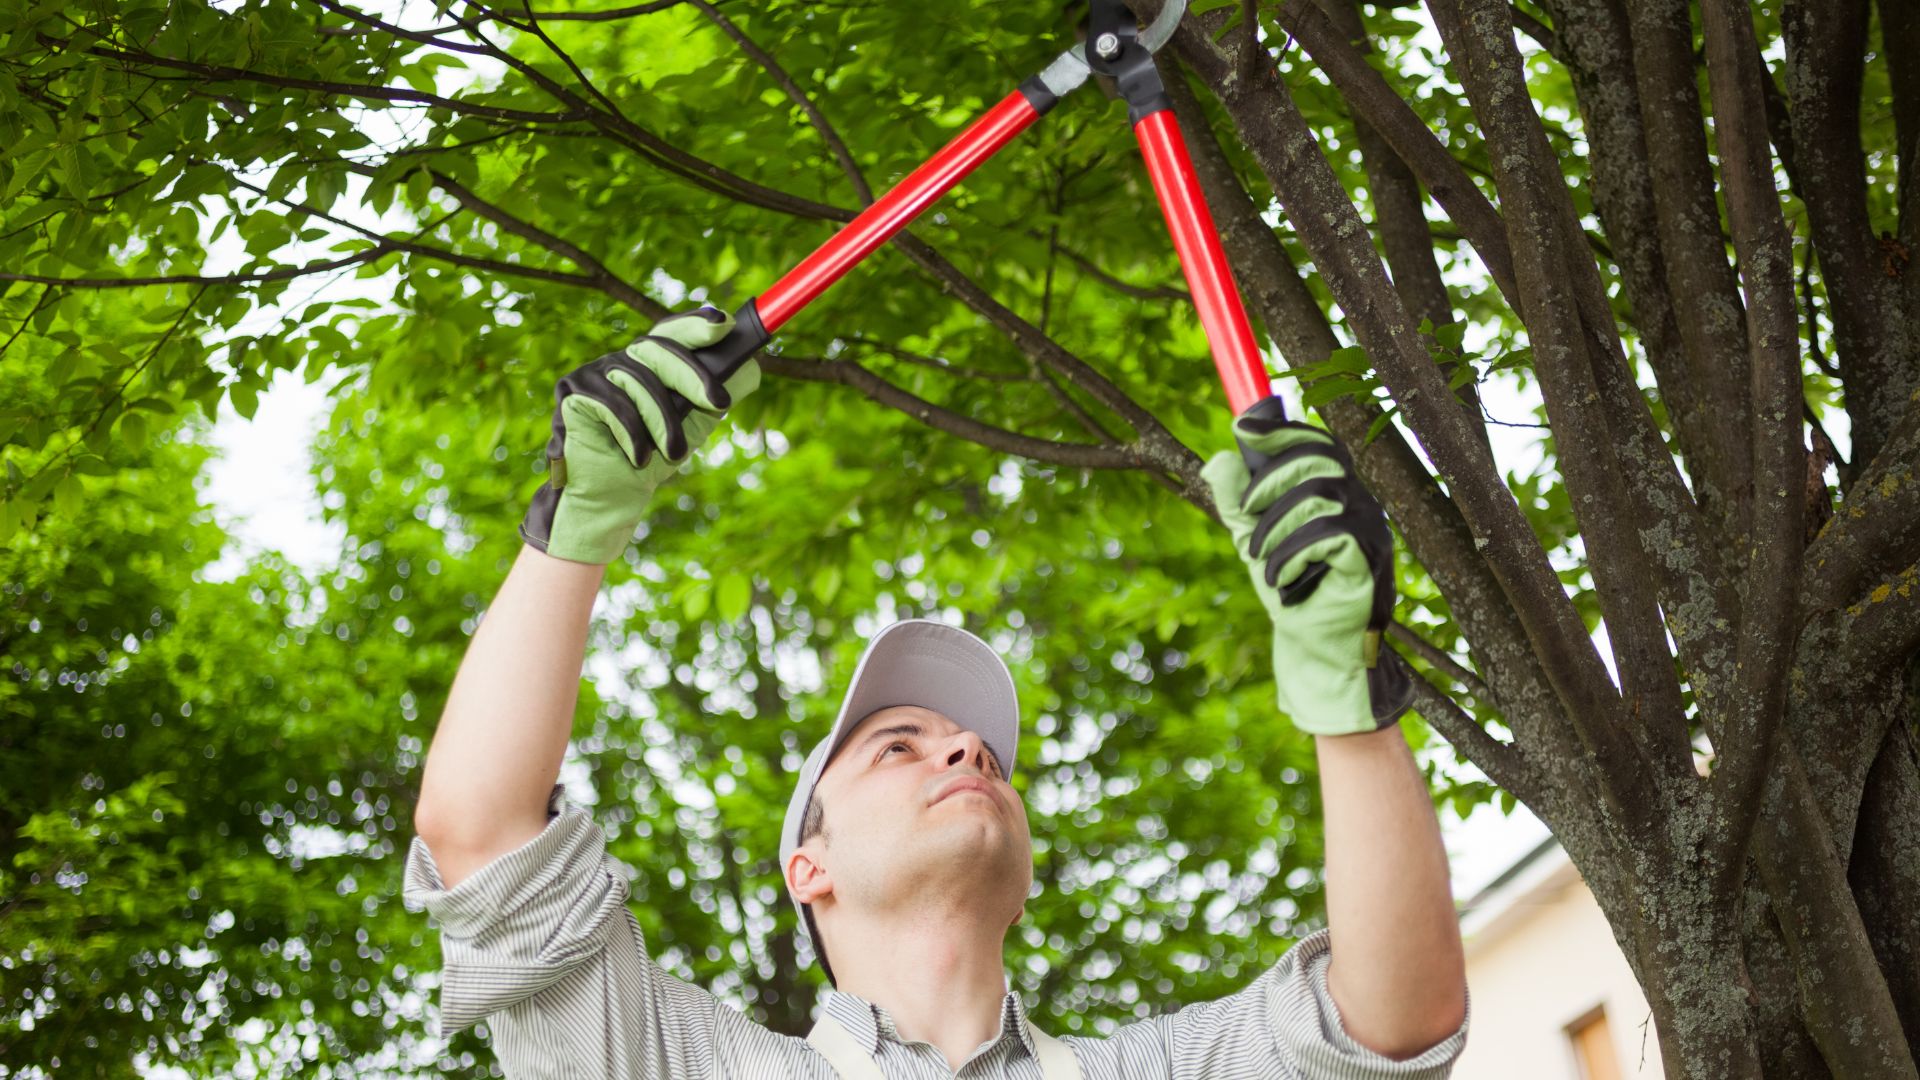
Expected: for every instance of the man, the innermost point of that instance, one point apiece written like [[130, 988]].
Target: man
[[904, 844]]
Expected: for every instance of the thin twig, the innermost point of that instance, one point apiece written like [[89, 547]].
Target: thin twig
[[196, 279], [848, 373], [46, 293], [932, 361], [1439, 658], [798, 96]]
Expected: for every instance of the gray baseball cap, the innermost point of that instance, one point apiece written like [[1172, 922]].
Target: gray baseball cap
[[912, 662]]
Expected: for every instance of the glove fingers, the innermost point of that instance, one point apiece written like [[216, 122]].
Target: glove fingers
[[674, 365], [1360, 561], [1273, 436], [1320, 496], [590, 399], [638, 384], [696, 329], [1226, 476], [1287, 470], [667, 349], [1337, 549]]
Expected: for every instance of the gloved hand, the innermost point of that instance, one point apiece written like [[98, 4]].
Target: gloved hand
[[1305, 505], [614, 440]]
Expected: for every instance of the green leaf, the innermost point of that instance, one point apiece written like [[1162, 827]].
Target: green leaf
[[732, 597], [133, 431], [694, 604], [66, 496], [1330, 389], [245, 399], [826, 583]]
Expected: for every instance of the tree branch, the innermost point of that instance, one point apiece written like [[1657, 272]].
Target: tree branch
[[46, 294], [1369, 97], [1826, 48], [1503, 763], [1155, 445], [1884, 632], [1575, 349], [409, 247], [424, 37], [1768, 624], [281, 274], [220, 73], [1598, 56], [623, 129], [1124, 288], [1440, 658], [609, 15], [934, 362], [1400, 219], [1712, 320], [1876, 526], [615, 286]]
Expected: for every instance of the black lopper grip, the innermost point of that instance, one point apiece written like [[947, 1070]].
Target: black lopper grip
[[730, 353], [1273, 410]]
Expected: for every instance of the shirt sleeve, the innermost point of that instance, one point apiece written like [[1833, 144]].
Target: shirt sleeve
[[1307, 1023], [1283, 1025], [540, 940]]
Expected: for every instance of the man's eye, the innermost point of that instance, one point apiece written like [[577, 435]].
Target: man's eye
[[893, 746]]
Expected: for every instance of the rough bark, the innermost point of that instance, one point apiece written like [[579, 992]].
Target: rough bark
[[1712, 321], [1400, 219], [1603, 483], [1591, 39], [1885, 868], [1826, 50]]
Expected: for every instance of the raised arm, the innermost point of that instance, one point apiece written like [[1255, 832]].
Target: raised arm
[[498, 748], [510, 711], [1398, 972], [1320, 554]]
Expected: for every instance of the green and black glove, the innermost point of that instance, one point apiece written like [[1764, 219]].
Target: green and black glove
[[1305, 506], [615, 437]]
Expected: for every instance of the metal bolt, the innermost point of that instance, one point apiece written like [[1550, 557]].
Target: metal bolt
[[1107, 45]]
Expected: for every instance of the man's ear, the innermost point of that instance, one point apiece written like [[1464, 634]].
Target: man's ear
[[808, 879]]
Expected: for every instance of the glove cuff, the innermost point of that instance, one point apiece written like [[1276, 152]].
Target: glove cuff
[[1360, 701]]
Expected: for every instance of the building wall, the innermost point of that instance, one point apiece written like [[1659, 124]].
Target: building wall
[[1537, 962]]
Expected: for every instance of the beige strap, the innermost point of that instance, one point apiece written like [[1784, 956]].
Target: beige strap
[[853, 1062], [1056, 1061]]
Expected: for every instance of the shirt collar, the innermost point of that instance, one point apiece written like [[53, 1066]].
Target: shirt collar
[[869, 1024]]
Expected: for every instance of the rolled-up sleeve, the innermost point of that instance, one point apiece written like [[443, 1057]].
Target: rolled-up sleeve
[[1308, 1024], [540, 940], [1282, 1026]]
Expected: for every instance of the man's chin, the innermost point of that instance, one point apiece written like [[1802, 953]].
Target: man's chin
[[969, 842]]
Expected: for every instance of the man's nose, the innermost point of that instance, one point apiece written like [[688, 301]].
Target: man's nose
[[966, 748]]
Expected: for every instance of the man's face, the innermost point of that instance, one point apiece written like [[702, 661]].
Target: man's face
[[917, 806]]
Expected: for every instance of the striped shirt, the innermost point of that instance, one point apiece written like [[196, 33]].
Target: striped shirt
[[540, 940]]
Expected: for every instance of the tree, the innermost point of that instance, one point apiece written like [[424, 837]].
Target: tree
[[1693, 240]]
